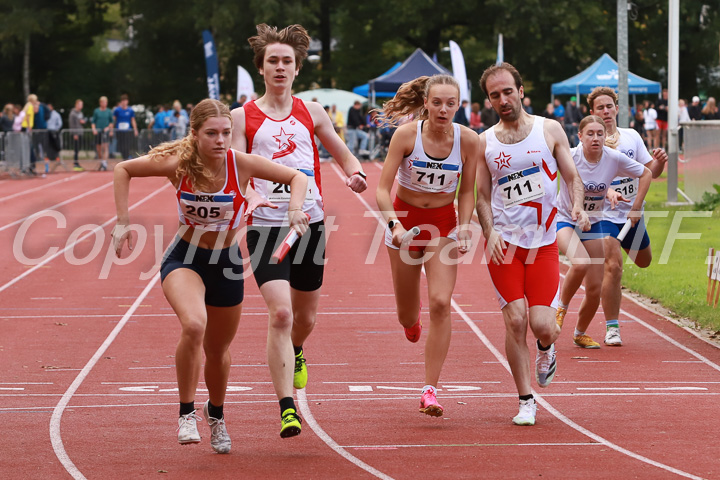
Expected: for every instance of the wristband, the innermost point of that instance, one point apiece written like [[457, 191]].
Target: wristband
[[361, 174]]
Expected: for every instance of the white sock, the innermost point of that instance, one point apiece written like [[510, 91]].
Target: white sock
[[578, 333], [428, 387], [562, 305]]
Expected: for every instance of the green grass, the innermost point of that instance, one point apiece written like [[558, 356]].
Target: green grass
[[677, 277]]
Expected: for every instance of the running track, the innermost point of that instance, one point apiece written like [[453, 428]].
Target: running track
[[88, 384]]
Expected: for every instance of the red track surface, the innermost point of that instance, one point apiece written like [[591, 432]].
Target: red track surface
[[88, 389]]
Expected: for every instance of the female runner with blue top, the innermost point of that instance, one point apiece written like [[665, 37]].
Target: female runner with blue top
[[597, 165], [202, 271]]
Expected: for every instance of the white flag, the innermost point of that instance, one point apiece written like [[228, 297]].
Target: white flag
[[458, 67], [500, 52], [244, 84]]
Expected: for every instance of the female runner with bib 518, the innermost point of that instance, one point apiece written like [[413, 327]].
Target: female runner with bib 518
[[202, 271]]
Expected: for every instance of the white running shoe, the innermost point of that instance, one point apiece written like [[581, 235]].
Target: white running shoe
[[219, 438], [526, 415], [187, 428], [545, 365], [612, 337]]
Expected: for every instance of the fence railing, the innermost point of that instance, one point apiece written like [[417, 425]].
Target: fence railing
[[18, 150], [702, 157]]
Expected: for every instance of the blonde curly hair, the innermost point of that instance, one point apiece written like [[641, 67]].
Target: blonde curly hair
[[410, 98], [190, 164]]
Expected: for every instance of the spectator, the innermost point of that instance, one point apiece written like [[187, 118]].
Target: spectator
[[76, 119], [549, 112], [19, 118], [572, 120], [559, 111], [460, 116], [651, 130], [527, 105], [683, 116], [160, 121], [695, 109], [710, 112], [338, 121], [638, 122], [178, 121], [357, 130], [661, 107], [475, 120], [125, 127], [102, 128], [488, 116], [40, 114], [54, 145], [8, 118], [239, 102]]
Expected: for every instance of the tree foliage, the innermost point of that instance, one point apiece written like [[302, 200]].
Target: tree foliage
[[163, 60]]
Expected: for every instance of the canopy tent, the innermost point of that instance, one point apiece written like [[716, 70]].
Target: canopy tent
[[332, 96], [416, 65], [603, 73], [364, 90]]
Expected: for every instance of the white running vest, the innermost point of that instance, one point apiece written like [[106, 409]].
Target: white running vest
[[632, 145]]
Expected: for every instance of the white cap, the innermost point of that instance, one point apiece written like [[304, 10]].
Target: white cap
[[696, 99]]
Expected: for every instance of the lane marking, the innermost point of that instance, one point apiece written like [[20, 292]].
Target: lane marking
[[41, 187], [56, 206], [55, 435], [563, 444], [315, 427], [80, 239]]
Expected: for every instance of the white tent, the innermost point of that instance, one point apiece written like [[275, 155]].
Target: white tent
[[332, 96]]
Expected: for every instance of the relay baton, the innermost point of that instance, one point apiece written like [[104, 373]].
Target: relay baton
[[626, 228], [285, 246], [409, 235]]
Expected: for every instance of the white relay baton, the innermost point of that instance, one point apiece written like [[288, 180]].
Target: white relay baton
[[409, 235], [626, 228]]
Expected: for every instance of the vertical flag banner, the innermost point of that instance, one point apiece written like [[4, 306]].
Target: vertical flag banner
[[244, 84], [458, 68], [500, 52], [211, 65]]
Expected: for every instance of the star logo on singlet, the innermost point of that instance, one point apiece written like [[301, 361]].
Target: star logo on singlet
[[502, 160], [285, 144]]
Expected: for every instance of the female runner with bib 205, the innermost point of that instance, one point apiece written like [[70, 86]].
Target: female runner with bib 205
[[430, 157], [202, 271]]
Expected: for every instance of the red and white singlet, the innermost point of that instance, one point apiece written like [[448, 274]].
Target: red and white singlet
[[217, 211], [524, 188], [289, 142]]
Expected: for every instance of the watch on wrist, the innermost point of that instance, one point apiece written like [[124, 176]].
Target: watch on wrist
[[392, 224], [361, 173]]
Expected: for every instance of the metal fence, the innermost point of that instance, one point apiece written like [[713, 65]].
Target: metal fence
[[18, 150], [702, 157]]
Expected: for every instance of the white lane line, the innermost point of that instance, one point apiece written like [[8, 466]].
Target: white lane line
[[383, 447], [305, 409], [682, 361], [54, 207], [55, 436], [539, 399], [80, 239], [41, 187], [608, 388], [563, 418]]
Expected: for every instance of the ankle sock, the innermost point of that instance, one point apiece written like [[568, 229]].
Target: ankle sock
[[215, 412], [578, 333], [428, 387], [612, 323], [562, 305], [286, 403], [526, 397], [298, 350], [541, 348], [186, 408]]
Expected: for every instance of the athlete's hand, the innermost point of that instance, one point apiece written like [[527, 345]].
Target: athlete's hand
[[660, 155], [299, 221], [583, 221], [615, 197], [495, 246], [397, 235], [634, 215], [120, 233], [254, 200], [464, 238], [356, 183]]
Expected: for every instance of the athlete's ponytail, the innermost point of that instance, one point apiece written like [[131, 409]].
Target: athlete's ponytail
[[410, 98]]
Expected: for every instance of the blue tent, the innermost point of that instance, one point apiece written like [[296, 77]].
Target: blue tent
[[416, 65], [603, 73], [364, 90]]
